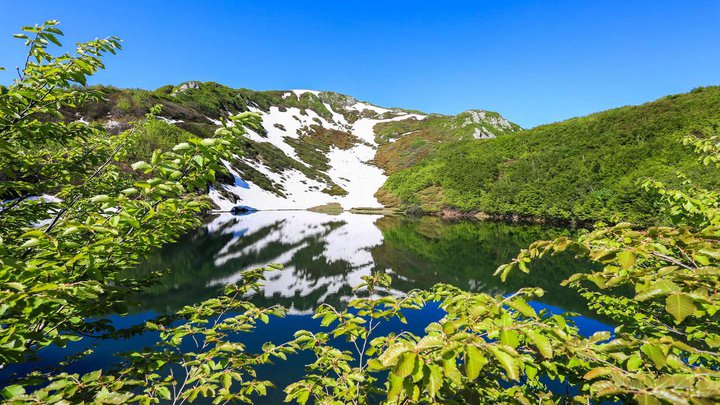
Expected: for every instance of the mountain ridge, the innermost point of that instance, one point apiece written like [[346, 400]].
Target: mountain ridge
[[314, 148], [317, 148]]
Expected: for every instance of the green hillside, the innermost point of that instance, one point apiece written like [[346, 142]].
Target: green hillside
[[583, 168]]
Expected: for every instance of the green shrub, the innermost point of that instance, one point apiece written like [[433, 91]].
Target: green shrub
[[154, 135]]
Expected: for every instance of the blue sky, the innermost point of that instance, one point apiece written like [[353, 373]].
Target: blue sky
[[533, 61]]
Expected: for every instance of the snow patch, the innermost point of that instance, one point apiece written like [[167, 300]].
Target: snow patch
[[351, 170], [360, 106], [170, 120], [363, 128], [300, 92]]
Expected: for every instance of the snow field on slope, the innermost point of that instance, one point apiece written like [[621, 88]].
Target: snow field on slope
[[350, 169]]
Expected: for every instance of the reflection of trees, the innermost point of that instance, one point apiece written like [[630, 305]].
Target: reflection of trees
[[427, 251], [421, 252]]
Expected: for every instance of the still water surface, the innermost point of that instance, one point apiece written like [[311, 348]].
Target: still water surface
[[324, 257]]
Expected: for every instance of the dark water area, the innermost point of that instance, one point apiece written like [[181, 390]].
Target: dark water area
[[325, 256]]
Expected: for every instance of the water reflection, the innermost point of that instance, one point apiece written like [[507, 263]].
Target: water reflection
[[325, 256]]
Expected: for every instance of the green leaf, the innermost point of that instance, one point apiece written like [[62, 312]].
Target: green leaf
[[521, 306], [130, 191], [181, 146], [388, 357], [405, 364], [634, 363], [603, 388], [657, 289], [434, 376], [714, 253], [101, 198], [507, 362], [141, 165], [30, 243], [12, 391], [430, 341], [474, 362], [597, 372], [163, 392], [542, 343], [395, 386], [654, 353], [626, 259], [680, 306], [303, 396], [226, 380], [90, 377], [14, 285], [509, 337], [451, 371], [646, 399]]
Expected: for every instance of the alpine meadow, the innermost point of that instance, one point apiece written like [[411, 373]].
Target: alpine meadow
[[203, 243]]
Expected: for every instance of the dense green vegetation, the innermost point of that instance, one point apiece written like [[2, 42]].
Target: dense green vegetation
[[151, 136], [659, 284], [583, 168]]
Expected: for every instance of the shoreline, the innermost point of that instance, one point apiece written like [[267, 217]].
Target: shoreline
[[446, 214]]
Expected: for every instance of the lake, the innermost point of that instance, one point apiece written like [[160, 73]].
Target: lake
[[325, 256]]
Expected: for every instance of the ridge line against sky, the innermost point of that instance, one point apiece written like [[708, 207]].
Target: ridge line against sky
[[534, 62]]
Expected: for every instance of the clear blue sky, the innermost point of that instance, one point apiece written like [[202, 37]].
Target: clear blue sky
[[533, 61]]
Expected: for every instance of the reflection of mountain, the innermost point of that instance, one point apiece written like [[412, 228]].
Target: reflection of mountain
[[325, 256]]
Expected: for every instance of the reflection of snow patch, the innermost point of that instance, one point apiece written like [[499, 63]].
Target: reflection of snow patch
[[351, 242]]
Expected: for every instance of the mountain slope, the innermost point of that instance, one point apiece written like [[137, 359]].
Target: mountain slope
[[583, 168], [314, 148]]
